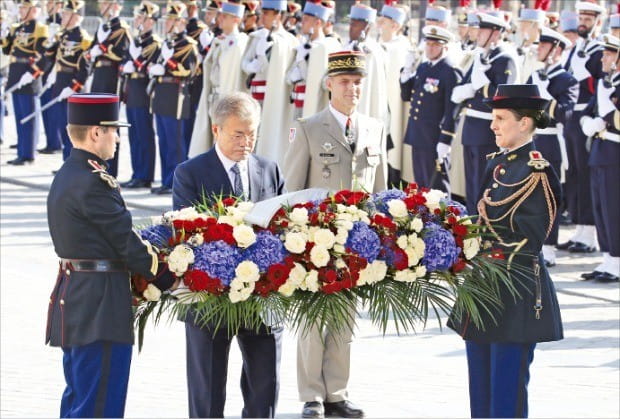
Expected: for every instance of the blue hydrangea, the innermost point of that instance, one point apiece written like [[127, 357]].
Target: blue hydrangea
[[218, 259], [441, 251], [266, 251], [456, 204], [158, 235], [364, 241], [380, 199]]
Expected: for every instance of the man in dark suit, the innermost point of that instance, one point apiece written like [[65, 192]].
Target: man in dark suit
[[229, 168]]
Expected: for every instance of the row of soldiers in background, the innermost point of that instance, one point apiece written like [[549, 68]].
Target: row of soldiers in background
[[429, 95]]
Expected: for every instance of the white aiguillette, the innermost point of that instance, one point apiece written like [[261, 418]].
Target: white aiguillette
[[263, 211]]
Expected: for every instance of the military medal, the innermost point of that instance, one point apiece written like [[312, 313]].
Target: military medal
[[326, 172]]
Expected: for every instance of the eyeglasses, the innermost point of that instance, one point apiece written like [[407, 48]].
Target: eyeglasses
[[240, 137]]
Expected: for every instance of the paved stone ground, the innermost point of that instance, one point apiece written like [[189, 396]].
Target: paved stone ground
[[421, 375]]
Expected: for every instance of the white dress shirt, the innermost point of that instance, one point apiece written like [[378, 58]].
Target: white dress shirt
[[342, 120], [243, 171]]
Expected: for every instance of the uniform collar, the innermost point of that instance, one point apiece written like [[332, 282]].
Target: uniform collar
[[342, 118], [79, 154], [520, 151]]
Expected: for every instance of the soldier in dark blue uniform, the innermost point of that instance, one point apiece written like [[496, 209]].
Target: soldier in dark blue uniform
[[71, 67], [90, 315], [106, 53], [25, 43], [171, 101], [142, 51], [601, 124], [430, 128], [561, 89], [585, 65], [493, 67], [519, 219]]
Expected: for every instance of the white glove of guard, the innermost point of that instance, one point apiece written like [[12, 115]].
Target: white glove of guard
[[591, 126], [4, 30], [95, 52], [65, 93], [51, 79], [52, 30], [461, 93], [478, 76], [206, 37], [254, 66], [166, 51], [603, 99], [25, 79], [302, 53], [134, 50], [443, 150], [543, 86], [157, 70], [294, 75], [129, 67], [578, 65], [103, 34], [262, 46], [410, 59]]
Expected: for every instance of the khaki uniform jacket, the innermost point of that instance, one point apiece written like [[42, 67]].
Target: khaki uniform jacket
[[318, 155]]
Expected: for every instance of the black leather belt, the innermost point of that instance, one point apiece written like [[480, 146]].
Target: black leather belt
[[93, 265], [168, 79], [106, 63]]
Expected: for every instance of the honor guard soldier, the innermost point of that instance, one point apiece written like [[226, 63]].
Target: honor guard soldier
[[106, 53], [601, 123], [54, 28], [251, 16], [24, 43], [561, 89], [469, 47], [328, 29], [293, 18], [391, 21], [431, 120], [90, 314], [518, 219], [531, 21], [269, 54], [585, 64], [334, 149], [222, 74], [212, 12], [614, 24], [142, 51], [170, 101], [492, 67], [306, 74], [569, 22]]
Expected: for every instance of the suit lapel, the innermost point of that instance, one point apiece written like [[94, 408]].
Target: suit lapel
[[255, 173], [333, 128], [221, 178]]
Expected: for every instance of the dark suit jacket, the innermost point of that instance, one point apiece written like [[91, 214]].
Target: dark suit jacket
[[204, 175]]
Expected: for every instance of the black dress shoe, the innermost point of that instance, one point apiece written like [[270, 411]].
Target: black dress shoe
[[19, 161], [162, 190], [606, 278], [136, 183], [590, 275], [313, 410], [565, 245], [578, 247], [49, 150], [343, 409], [549, 264]]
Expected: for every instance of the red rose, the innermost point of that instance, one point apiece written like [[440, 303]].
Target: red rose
[[411, 188], [497, 254], [263, 287], [413, 201], [356, 197], [220, 232], [332, 287], [454, 210], [177, 224], [401, 261], [459, 265], [229, 202], [201, 281], [327, 275], [323, 206], [459, 230], [278, 274], [313, 219]]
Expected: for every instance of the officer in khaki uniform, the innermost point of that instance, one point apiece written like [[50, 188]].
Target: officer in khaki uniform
[[336, 148]]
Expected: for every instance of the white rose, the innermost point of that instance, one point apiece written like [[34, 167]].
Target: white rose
[[344, 216], [420, 271], [432, 198], [319, 256], [151, 293], [247, 271], [397, 208], [341, 208], [244, 235], [417, 243], [227, 219], [340, 264], [236, 214], [402, 276], [196, 240], [245, 206], [297, 275], [342, 235], [299, 216], [416, 225], [413, 257], [312, 282], [325, 238], [339, 248], [310, 231], [295, 242], [188, 213], [344, 224], [402, 241], [471, 247], [380, 269], [287, 289], [180, 258]]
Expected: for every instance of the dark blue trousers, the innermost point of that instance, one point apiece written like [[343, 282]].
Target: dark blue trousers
[[52, 136], [498, 378], [207, 368], [141, 143], [60, 127], [606, 206], [423, 166], [188, 127], [475, 159], [578, 173], [172, 149], [24, 106], [97, 376]]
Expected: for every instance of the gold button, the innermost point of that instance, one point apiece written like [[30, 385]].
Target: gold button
[[502, 171], [419, 102], [495, 185], [469, 105], [412, 91], [415, 118], [62, 302], [417, 110], [421, 94], [68, 272]]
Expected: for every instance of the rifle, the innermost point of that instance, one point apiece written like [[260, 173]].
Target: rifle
[[10, 90]]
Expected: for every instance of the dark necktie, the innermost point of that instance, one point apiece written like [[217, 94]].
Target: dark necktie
[[238, 185], [348, 134]]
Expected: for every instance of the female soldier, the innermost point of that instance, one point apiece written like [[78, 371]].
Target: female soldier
[[518, 206]]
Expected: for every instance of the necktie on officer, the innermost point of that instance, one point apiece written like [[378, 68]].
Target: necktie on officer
[[238, 185], [348, 133]]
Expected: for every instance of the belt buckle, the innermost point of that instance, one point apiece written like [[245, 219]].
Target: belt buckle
[[101, 266]]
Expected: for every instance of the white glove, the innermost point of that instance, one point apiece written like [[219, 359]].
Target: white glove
[[157, 70], [478, 76], [52, 30], [206, 37], [543, 86], [134, 50], [410, 59], [294, 75], [51, 79], [461, 93], [129, 67], [103, 34], [302, 53], [253, 66], [591, 126], [262, 46], [578, 65], [65, 93], [25, 79], [443, 150], [603, 99], [95, 52], [4, 30], [166, 51]]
